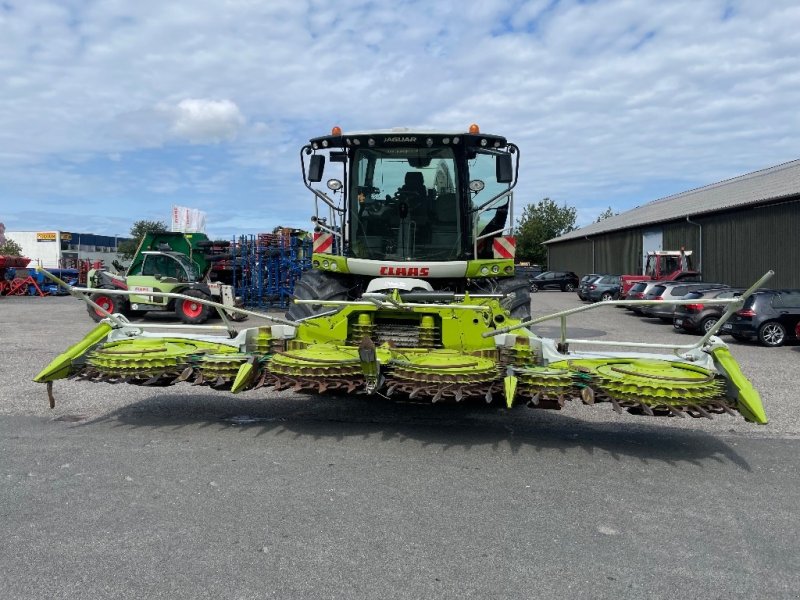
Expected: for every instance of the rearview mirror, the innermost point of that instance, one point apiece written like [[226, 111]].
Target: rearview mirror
[[504, 168], [316, 167]]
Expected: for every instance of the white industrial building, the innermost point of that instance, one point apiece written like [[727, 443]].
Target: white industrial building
[[62, 249]]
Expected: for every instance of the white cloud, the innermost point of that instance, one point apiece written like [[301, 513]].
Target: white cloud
[[205, 121], [603, 98]]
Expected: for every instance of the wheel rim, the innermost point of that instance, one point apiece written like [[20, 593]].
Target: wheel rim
[[708, 324], [192, 308], [772, 334], [104, 302], [606, 297], [570, 287]]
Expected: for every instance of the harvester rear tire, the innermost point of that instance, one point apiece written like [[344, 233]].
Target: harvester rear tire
[[517, 298], [316, 285]]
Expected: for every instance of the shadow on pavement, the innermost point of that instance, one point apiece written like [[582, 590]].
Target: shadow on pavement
[[466, 426]]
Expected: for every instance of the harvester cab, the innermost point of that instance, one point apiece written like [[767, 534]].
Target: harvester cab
[[431, 206], [169, 262]]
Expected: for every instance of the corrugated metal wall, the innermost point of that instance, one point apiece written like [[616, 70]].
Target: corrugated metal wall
[[740, 246], [574, 255], [737, 246], [619, 252], [680, 234]]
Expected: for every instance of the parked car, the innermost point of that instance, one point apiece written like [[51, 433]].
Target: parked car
[[770, 316], [672, 290], [589, 276], [638, 292], [585, 282], [702, 316], [527, 271], [566, 281], [604, 288]]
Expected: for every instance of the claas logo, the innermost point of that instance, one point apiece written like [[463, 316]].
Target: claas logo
[[405, 271]]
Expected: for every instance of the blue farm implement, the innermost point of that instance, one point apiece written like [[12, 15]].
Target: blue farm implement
[[266, 268]]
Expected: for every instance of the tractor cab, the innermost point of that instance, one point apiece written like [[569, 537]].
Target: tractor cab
[[663, 264], [416, 203], [166, 266]]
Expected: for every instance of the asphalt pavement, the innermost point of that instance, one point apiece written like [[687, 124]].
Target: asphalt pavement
[[181, 492]]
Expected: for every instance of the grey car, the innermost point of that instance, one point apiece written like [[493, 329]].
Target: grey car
[[603, 288], [672, 290], [585, 282], [639, 291]]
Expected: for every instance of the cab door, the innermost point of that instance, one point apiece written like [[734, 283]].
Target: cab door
[[158, 273]]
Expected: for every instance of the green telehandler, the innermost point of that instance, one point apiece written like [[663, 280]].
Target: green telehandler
[[170, 262]]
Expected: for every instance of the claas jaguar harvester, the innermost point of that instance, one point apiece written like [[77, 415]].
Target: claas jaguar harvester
[[413, 295]]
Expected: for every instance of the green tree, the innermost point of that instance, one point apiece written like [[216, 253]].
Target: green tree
[[539, 223], [606, 214], [10, 248], [127, 249]]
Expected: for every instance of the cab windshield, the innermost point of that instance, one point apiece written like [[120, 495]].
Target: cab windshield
[[403, 204]]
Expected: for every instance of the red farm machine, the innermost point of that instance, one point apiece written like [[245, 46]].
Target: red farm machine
[[663, 265]]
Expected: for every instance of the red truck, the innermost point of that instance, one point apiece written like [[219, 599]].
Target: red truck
[[664, 265]]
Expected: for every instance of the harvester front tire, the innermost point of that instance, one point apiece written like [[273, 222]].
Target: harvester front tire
[[316, 285], [193, 313], [112, 303], [517, 298]]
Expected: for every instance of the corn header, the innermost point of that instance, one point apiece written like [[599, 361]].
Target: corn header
[[413, 296]]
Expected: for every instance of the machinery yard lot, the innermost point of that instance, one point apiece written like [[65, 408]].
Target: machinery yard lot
[[127, 491]]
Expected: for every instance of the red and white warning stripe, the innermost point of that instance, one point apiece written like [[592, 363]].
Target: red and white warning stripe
[[323, 243], [504, 246]]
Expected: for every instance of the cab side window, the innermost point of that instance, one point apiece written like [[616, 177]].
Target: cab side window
[[161, 265]]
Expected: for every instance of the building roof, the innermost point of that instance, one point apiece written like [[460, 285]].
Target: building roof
[[774, 183]]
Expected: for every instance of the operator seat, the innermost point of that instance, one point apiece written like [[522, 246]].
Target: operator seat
[[414, 187]]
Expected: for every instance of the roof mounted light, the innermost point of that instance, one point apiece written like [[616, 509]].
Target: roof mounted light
[[337, 131], [474, 129]]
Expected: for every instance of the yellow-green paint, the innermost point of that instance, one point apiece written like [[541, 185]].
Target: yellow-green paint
[[320, 260], [243, 378], [510, 388], [461, 329], [749, 401], [60, 366], [485, 268]]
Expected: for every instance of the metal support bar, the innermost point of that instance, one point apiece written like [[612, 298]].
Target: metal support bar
[[734, 304], [236, 309], [376, 302]]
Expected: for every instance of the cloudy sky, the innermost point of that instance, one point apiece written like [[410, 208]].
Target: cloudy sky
[[113, 111]]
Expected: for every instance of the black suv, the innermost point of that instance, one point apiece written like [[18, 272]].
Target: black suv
[[566, 281], [703, 315], [770, 317]]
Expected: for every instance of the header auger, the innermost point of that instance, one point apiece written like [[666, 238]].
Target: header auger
[[413, 296]]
